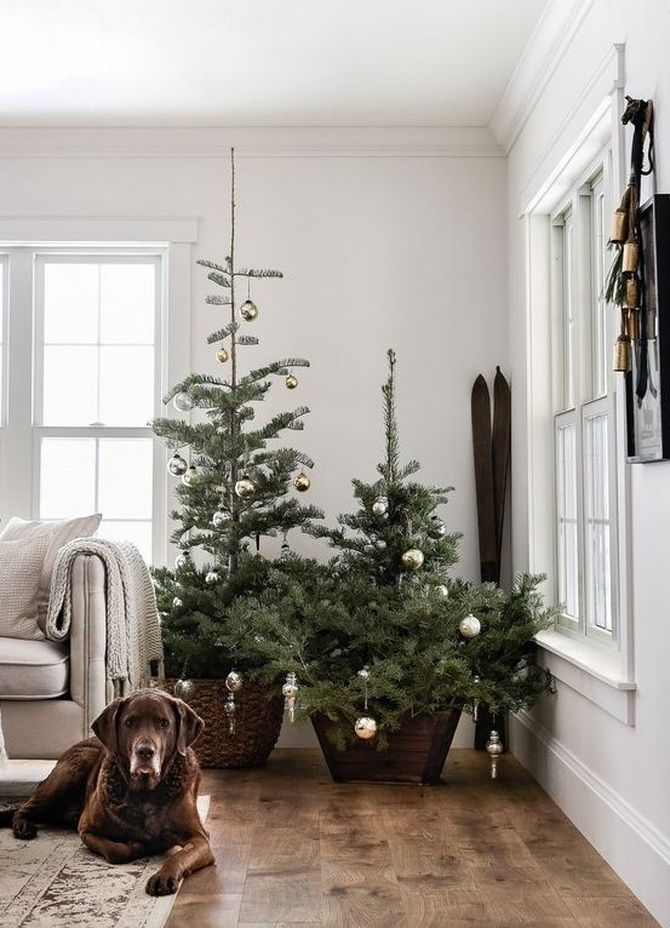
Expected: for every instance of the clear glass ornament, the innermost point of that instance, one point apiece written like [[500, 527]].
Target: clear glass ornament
[[494, 748], [177, 465], [230, 709], [183, 402], [219, 518], [290, 693], [234, 682], [244, 488], [184, 689], [189, 476]]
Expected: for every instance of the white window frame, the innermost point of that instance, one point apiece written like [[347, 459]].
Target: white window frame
[[601, 671], [4, 330]]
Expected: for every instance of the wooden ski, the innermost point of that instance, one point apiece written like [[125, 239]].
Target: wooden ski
[[502, 422], [481, 441]]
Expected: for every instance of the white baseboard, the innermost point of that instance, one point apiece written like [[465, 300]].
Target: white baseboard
[[629, 842]]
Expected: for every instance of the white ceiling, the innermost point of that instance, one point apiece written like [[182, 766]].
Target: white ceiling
[[259, 62]]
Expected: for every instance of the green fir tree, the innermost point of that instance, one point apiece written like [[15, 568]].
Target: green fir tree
[[238, 483]]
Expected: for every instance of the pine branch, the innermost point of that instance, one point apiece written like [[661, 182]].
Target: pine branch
[[223, 332], [216, 300], [206, 262], [256, 272], [219, 279]]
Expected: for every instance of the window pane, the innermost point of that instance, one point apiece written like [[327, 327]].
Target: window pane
[[67, 477], [70, 387], [70, 303], [599, 268], [568, 540], [125, 478], [598, 523], [127, 304], [568, 314], [139, 533], [126, 385]]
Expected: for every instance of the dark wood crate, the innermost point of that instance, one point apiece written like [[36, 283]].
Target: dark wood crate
[[416, 752]]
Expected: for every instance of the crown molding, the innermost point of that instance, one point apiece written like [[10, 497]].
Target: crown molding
[[214, 142], [549, 41]]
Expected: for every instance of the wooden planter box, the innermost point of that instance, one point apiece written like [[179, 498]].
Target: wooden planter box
[[416, 752], [257, 724]]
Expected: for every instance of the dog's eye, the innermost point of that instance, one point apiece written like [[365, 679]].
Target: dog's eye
[[164, 723], [128, 723]]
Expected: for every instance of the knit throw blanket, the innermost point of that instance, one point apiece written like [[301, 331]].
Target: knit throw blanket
[[133, 627], [3, 752]]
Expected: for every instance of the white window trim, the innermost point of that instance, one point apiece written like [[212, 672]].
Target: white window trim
[[173, 237], [603, 675]]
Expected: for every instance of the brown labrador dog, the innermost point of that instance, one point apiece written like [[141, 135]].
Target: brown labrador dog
[[131, 791]]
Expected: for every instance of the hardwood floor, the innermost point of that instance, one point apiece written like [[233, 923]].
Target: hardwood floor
[[294, 849]]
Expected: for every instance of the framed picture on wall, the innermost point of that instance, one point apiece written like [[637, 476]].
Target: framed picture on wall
[[648, 383]]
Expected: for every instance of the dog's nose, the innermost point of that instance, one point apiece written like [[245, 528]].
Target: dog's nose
[[145, 751]]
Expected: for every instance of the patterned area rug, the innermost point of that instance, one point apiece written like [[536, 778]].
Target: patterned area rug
[[55, 882]]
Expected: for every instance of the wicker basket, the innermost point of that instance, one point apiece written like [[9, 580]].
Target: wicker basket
[[416, 752], [257, 724]]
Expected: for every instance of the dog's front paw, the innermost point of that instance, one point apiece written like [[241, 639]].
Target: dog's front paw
[[161, 885], [24, 829]]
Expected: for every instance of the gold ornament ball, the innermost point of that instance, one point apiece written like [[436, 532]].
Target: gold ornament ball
[[365, 727], [412, 559], [234, 682], [470, 626], [244, 488], [222, 355], [302, 483], [291, 382], [184, 689], [249, 310]]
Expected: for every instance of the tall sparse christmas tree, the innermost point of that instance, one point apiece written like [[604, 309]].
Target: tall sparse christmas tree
[[238, 483]]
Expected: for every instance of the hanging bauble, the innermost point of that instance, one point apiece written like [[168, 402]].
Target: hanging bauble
[[302, 483], [412, 559], [184, 689], [475, 701], [181, 560], [211, 577], [222, 356], [437, 528], [249, 310], [190, 475], [290, 693], [380, 506], [177, 603], [364, 673], [183, 402], [234, 682], [365, 727], [291, 382], [285, 550], [177, 465], [442, 590], [219, 518], [494, 749], [230, 709], [470, 626], [244, 487]]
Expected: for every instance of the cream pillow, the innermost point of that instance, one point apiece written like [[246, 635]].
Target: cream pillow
[[57, 533], [21, 565]]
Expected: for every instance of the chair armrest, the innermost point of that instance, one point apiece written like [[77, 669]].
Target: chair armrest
[[88, 635]]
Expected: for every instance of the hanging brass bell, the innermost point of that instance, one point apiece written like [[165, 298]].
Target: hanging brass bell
[[633, 324], [622, 354], [631, 257], [631, 296], [619, 227]]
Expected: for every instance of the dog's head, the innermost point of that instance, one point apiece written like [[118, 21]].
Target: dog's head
[[144, 731]]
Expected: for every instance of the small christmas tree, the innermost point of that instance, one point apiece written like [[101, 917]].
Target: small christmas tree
[[383, 633], [235, 482]]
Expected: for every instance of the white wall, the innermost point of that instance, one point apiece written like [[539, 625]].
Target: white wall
[[386, 238], [611, 778]]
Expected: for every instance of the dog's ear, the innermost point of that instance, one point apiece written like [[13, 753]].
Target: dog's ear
[[105, 726], [189, 725]]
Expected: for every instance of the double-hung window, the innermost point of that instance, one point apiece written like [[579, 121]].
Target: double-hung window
[[84, 381], [584, 420]]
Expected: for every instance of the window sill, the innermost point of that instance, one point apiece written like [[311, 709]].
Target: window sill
[[595, 674]]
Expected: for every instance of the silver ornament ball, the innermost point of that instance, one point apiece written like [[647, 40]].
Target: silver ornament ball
[[177, 465], [234, 682], [219, 518], [380, 506], [177, 603], [443, 591], [184, 689], [412, 559], [249, 310], [189, 476], [181, 560], [365, 727], [470, 626], [183, 402], [211, 577], [244, 488]]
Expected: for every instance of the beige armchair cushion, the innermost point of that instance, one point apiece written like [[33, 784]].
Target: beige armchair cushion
[[33, 669], [21, 564], [58, 532]]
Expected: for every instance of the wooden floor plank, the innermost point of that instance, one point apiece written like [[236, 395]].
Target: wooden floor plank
[[295, 850]]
